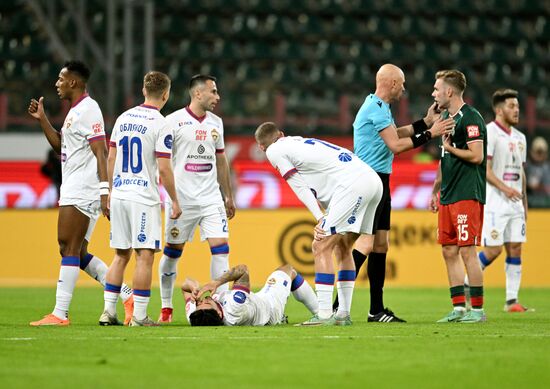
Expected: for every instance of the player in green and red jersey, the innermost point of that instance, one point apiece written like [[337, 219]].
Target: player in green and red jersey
[[461, 179]]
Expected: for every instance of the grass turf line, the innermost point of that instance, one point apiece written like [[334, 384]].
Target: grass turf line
[[509, 350]]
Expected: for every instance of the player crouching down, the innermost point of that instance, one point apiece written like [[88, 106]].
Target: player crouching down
[[241, 307]]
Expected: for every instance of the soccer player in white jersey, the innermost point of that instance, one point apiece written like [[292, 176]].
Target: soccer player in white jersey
[[200, 169], [506, 207], [84, 188], [140, 150], [327, 177], [241, 307]]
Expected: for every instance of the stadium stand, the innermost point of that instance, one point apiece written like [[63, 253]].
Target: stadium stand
[[310, 51]]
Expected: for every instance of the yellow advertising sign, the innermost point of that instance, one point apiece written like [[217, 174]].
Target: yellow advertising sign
[[264, 240]]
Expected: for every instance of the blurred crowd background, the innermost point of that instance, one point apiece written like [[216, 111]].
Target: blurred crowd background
[[306, 64]]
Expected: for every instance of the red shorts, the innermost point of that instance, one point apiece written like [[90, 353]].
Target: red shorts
[[460, 223]]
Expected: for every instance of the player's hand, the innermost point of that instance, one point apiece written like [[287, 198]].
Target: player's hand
[[36, 108], [175, 210], [446, 142], [105, 209], [318, 232], [442, 127], [434, 203], [432, 115], [513, 194], [230, 208], [209, 287]]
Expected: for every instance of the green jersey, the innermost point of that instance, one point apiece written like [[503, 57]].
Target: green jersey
[[461, 180]]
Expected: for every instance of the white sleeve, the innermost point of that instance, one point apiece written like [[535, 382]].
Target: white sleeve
[[93, 128], [305, 195], [163, 146], [524, 151], [219, 143], [190, 307], [280, 161], [490, 142]]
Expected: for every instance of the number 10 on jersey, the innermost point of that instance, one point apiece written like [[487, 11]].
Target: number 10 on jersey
[[131, 154]]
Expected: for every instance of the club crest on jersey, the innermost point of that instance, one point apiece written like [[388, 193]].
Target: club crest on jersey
[[239, 297], [174, 231], [494, 234], [473, 131], [68, 123], [215, 134], [271, 281]]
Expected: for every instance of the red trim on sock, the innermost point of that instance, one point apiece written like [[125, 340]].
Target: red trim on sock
[[477, 302], [459, 300]]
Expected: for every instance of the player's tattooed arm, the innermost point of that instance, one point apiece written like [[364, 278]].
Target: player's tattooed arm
[[238, 274]]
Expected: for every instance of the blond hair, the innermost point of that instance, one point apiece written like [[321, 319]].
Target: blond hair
[[266, 133], [454, 78]]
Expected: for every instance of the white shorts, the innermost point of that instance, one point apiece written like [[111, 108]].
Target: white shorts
[[90, 208], [352, 209], [212, 220], [503, 228], [275, 292], [135, 225]]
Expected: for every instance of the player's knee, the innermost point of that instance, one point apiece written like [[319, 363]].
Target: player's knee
[[449, 252], [288, 269], [380, 247], [514, 250], [318, 247], [491, 253], [175, 246]]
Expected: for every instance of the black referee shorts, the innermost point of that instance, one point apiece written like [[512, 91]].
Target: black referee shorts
[[383, 211]]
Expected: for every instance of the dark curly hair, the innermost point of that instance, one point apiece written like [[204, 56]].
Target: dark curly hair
[[79, 68], [205, 317]]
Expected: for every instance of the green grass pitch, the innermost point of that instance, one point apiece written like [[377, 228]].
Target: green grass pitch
[[508, 351]]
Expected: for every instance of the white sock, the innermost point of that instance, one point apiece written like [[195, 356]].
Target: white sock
[[345, 295], [305, 294], [219, 264], [97, 269], [110, 299], [168, 271], [324, 298], [68, 275], [513, 279], [140, 307]]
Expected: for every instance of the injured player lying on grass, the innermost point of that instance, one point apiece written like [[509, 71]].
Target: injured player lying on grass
[[239, 306]]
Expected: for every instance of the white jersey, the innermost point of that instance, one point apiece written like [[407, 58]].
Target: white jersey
[[507, 152], [141, 135], [196, 142], [322, 165], [83, 125], [243, 308]]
